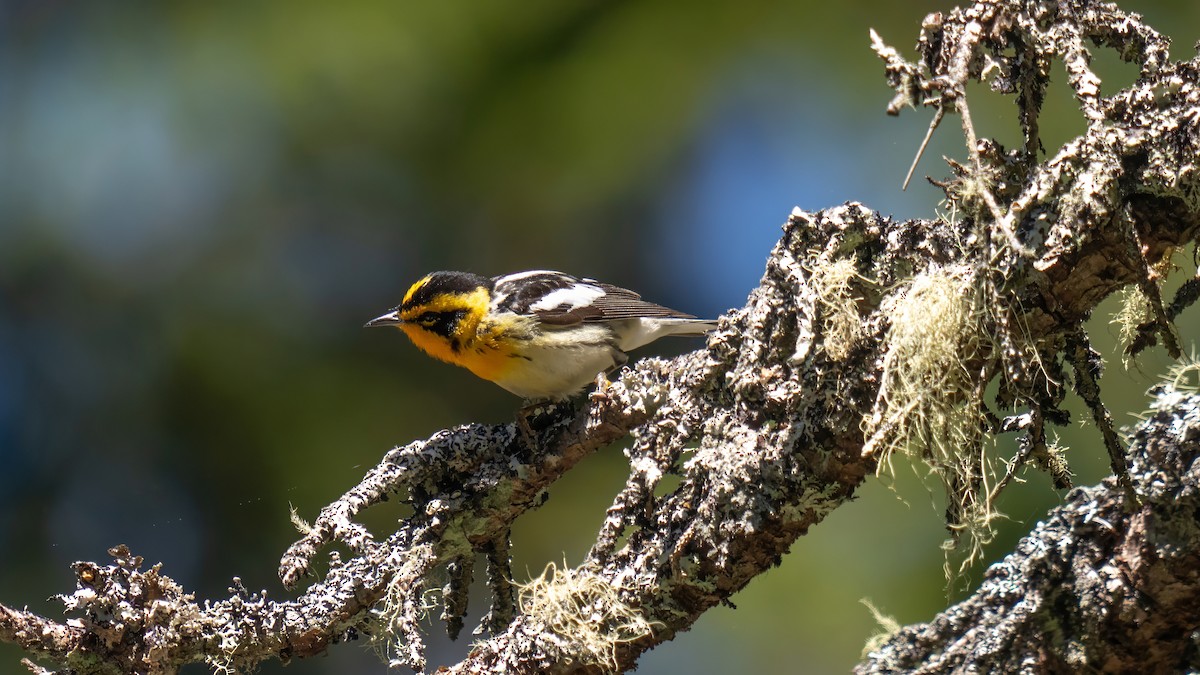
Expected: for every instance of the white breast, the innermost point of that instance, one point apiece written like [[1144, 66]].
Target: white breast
[[558, 372]]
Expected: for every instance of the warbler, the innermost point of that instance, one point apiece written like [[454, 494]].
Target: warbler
[[541, 335]]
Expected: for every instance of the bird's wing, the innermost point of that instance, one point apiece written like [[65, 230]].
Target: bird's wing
[[559, 299]]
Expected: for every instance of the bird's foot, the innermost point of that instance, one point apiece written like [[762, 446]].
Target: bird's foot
[[523, 416], [600, 393]]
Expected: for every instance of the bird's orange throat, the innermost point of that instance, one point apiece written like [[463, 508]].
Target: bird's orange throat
[[440, 346], [432, 344], [488, 361]]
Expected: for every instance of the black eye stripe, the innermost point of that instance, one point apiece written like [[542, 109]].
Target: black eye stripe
[[441, 322]]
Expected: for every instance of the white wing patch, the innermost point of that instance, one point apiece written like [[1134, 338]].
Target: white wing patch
[[505, 285], [517, 276], [574, 297]]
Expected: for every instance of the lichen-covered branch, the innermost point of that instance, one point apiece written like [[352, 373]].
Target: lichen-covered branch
[[868, 341], [1101, 585]]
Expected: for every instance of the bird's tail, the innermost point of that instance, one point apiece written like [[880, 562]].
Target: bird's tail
[[645, 330], [685, 327]]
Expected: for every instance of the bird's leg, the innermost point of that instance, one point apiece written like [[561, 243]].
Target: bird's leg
[[528, 437], [600, 393], [540, 416]]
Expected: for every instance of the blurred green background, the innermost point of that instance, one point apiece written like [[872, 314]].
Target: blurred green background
[[201, 203]]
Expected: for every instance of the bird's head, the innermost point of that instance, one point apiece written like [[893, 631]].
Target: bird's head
[[441, 312]]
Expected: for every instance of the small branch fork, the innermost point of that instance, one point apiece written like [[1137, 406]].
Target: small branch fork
[[1088, 366], [764, 427]]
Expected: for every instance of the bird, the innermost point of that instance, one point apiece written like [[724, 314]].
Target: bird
[[540, 334]]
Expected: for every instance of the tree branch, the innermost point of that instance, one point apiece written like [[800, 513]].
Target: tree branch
[[1102, 584]]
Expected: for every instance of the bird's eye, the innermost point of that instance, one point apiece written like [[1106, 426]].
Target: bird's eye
[[427, 319]]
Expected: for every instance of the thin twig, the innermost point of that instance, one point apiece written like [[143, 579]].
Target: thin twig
[[937, 120]]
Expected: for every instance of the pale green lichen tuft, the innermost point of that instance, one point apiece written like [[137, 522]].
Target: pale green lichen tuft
[[833, 284], [1135, 309], [888, 626], [929, 404], [1185, 376], [405, 604], [302, 526], [926, 396], [584, 614]]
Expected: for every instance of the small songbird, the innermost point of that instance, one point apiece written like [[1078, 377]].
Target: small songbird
[[539, 334]]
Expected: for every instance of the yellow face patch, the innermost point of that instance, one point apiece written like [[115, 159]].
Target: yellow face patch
[[482, 354]]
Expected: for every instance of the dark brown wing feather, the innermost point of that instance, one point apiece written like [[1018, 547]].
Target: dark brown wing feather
[[622, 303], [520, 292]]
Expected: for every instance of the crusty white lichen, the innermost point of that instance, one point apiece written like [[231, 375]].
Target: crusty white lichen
[[1112, 575]]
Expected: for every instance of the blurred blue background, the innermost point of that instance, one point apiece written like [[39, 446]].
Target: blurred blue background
[[201, 203]]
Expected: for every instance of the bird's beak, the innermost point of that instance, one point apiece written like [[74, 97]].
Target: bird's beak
[[389, 319]]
